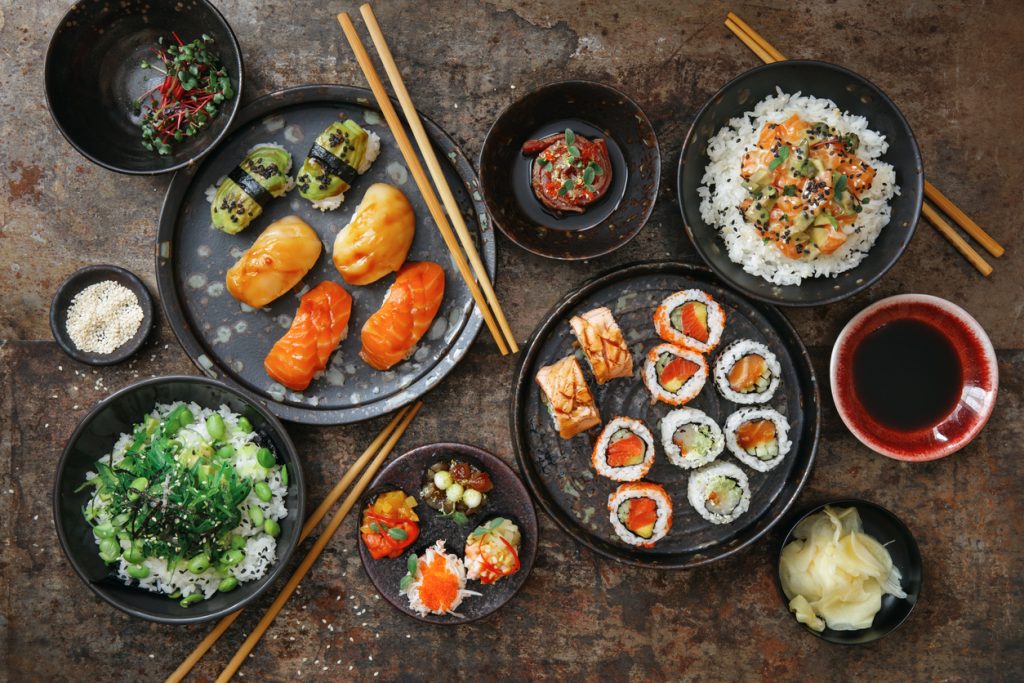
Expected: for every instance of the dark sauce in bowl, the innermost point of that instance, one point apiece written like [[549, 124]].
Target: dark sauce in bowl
[[907, 374]]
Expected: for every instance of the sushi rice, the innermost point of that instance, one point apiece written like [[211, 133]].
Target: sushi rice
[[730, 355], [689, 389], [663, 505], [731, 492], [767, 456], [706, 438], [674, 335], [599, 456]]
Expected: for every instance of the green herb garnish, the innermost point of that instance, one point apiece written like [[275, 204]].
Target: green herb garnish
[[780, 156], [789, 190], [841, 181]]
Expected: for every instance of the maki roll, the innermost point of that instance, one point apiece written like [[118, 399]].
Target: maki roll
[[674, 375], [691, 438], [240, 197], [758, 437], [641, 513], [492, 551], [624, 450], [602, 343], [567, 397], [691, 319], [747, 372], [436, 582], [719, 492], [338, 155]]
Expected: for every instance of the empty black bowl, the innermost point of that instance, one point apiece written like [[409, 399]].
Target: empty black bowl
[[887, 529], [594, 111], [95, 436], [851, 93], [93, 78]]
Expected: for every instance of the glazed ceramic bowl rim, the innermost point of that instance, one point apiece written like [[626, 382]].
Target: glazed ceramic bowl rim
[[48, 67], [285, 550], [949, 308]]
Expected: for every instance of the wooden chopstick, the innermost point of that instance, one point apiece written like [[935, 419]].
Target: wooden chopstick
[[768, 54], [412, 117], [395, 124], [311, 522], [321, 542]]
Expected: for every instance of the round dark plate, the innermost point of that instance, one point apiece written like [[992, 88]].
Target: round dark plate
[[508, 499], [93, 438], [559, 471], [93, 78], [593, 110], [853, 94], [890, 531], [78, 281], [229, 342]]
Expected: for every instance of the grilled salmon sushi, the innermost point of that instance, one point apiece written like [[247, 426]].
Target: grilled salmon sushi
[[602, 343], [758, 437], [674, 375], [320, 324], [691, 319], [747, 372], [390, 335], [624, 451], [567, 397]]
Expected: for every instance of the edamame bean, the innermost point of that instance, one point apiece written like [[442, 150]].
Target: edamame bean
[[272, 527], [244, 425], [110, 549], [232, 557], [186, 417], [256, 515], [138, 571], [121, 519], [104, 530], [284, 474], [134, 554], [199, 564], [215, 427], [137, 486], [228, 584], [225, 452], [265, 458], [262, 491], [190, 599], [237, 541]]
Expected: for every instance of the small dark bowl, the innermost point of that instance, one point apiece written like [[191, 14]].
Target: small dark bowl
[[96, 435], [853, 94], [889, 530], [93, 78], [78, 281], [593, 110]]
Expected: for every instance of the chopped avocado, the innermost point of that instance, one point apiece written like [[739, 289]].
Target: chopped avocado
[[646, 531], [801, 221], [761, 177]]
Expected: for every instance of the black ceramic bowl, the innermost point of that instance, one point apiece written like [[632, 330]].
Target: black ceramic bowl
[[594, 111], [96, 435], [887, 529], [851, 93], [93, 78], [78, 281]]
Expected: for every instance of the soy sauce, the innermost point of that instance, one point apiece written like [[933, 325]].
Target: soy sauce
[[907, 375]]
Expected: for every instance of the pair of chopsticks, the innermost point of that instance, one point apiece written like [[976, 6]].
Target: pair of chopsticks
[[486, 301], [768, 54], [375, 454]]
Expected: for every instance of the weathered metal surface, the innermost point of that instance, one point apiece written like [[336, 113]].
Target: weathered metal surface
[[951, 68]]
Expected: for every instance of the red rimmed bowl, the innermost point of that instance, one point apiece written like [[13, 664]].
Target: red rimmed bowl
[[971, 405]]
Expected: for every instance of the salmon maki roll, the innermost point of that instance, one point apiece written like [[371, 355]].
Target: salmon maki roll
[[624, 450], [758, 437], [640, 513], [391, 334], [567, 397], [674, 375], [602, 343], [691, 319], [320, 324], [747, 372]]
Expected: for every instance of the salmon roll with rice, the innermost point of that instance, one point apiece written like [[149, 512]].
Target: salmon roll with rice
[[674, 375], [691, 438], [641, 513], [602, 343], [691, 319], [758, 437], [719, 492], [747, 372], [567, 397], [624, 450]]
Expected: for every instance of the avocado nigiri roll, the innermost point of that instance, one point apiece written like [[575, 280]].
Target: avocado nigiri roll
[[261, 176], [341, 153]]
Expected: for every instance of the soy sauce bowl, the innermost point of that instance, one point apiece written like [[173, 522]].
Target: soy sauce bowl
[[890, 531], [973, 405], [594, 111]]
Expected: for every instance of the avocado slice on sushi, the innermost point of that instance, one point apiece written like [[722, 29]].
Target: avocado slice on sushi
[[341, 153], [261, 176]]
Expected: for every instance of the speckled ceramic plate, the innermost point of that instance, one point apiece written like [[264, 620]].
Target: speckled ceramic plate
[[559, 471], [229, 342], [509, 499]]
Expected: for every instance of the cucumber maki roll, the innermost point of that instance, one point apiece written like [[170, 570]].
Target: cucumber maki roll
[[340, 154], [240, 197]]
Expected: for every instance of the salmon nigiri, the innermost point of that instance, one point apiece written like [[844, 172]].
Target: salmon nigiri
[[319, 326], [390, 335]]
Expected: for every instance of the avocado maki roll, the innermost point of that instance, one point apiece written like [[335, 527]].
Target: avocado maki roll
[[719, 492], [240, 197], [338, 155]]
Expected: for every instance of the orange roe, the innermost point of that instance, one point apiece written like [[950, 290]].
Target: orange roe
[[439, 587]]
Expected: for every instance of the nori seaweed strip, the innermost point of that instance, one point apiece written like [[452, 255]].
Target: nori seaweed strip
[[250, 186], [336, 166]]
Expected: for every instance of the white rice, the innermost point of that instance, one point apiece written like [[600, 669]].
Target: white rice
[[731, 355], [684, 416], [721, 191], [600, 454], [372, 152], [701, 481], [641, 490], [733, 422]]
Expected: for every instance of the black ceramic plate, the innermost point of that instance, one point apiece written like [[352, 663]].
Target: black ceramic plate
[[887, 529], [593, 110], [508, 499], [851, 93], [93, 78], [559, 471], [229, 341], [95, 437], [86, 277]]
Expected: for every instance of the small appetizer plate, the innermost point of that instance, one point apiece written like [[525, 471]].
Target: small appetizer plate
[[93, 78], [890, 531], [970, 400], [508, 499], [78, 281], [590, 110]]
